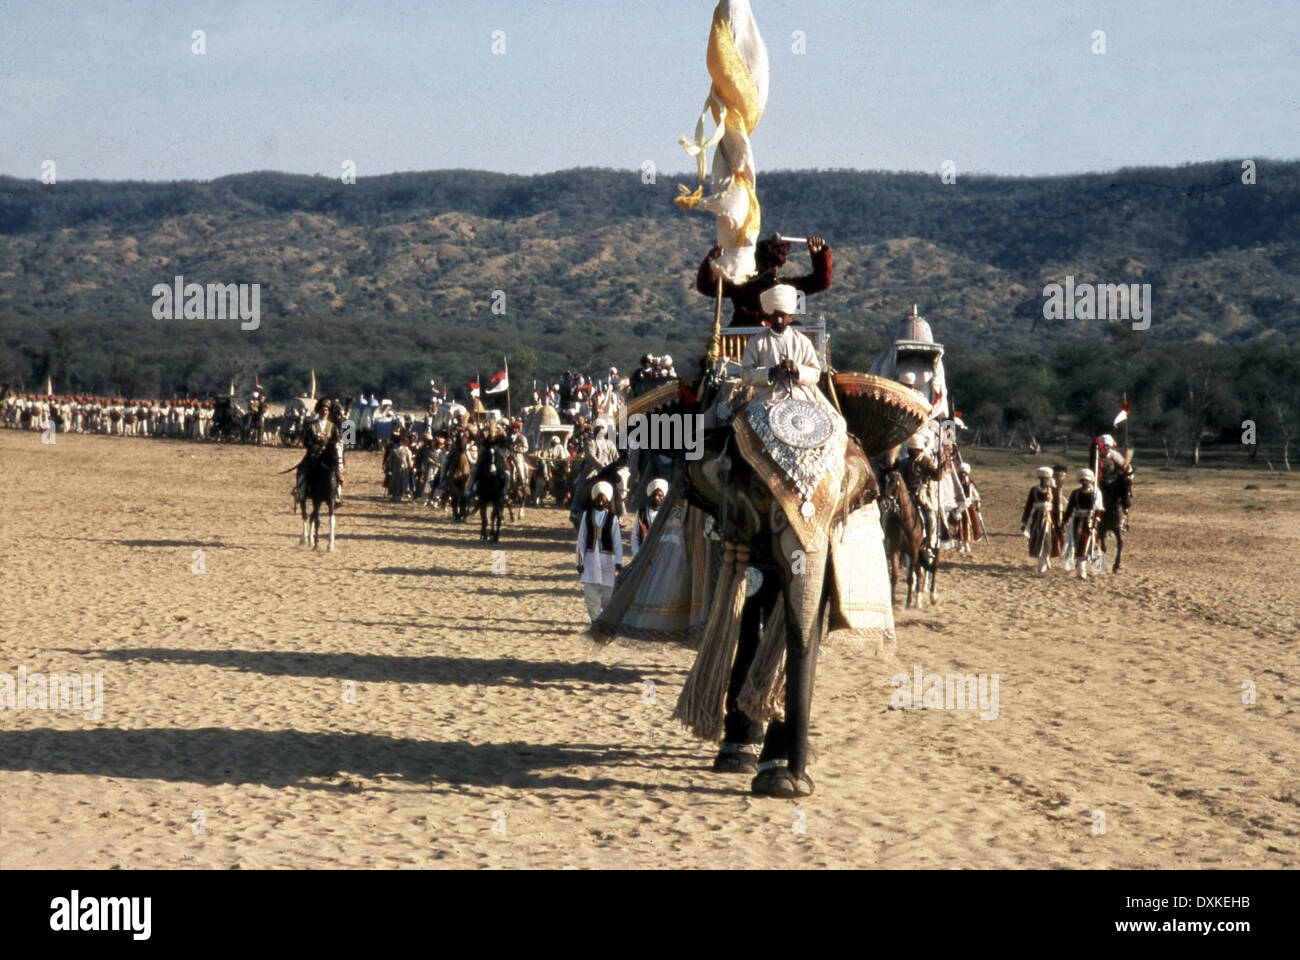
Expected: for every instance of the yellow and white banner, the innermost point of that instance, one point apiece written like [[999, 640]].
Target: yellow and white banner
[[738, 65]]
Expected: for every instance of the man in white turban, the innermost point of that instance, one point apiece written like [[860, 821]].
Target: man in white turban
[[781, 358], [1085, 509], [655, 491], [1037, 522], [600, 549]]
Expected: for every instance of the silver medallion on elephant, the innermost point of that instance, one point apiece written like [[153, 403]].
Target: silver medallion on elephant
[[801, 423]]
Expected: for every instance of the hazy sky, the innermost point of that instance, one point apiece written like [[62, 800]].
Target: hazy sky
[[111, 90]]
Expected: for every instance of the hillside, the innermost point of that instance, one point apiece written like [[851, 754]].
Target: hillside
[[382, 284]]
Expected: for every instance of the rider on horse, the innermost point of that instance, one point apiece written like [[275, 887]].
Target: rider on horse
[[518, 448], [920, 473], [323, 440], [1109, 466]]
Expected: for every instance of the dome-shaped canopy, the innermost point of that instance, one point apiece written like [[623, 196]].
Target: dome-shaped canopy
[[914, 329]]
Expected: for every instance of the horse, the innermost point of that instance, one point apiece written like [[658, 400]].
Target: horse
[[228, 416], [905, 538], [460, 474], [1117, 498], [519, 490], [492, 481], [544, 469], [322, 486]]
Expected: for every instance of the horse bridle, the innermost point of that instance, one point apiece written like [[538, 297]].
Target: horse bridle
[[890, 502]]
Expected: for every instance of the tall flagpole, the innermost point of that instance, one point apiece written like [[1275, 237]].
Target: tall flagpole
[[507, 363]]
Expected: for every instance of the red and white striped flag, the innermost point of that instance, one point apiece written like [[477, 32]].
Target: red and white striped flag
[[498, 383]]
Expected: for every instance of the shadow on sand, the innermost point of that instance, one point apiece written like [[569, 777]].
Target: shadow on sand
[[373, 668], [285, 758]]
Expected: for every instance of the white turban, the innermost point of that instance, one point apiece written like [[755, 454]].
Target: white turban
[[1085, 474], [782, 298], [909, 379], [659, 483], [1107, 440], [1044, 472], [917, 440], [602, 487]]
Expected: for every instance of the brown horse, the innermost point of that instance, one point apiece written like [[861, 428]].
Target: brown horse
[[905, 539], [460, 475]]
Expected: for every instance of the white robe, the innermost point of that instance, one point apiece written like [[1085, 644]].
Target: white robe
[[765, 350], [598, 566]]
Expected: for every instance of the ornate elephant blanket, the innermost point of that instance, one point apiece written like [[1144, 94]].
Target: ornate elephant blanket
[[797, 448], [861, 612]]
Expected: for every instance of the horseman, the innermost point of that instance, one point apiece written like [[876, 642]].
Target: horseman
[[336, 415], [555, 449], [518, 448], [921, 475], [1109, 466], [1107, 460], [600, 452], [1085, 509], [323, 442]]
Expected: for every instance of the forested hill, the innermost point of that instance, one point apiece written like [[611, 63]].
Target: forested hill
[[389, 281]]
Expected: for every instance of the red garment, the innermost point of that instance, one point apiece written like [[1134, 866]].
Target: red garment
[[747, 308]]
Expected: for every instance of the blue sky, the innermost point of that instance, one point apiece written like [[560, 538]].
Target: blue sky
[[111, 89]]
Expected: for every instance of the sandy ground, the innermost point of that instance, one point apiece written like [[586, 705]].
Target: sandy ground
[[397, 703]]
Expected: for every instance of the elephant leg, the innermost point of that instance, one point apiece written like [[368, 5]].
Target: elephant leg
[[739, 730], [784, 760]]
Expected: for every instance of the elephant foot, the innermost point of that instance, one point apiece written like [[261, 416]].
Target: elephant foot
[[775, 779], [803, 785], [737, 758]]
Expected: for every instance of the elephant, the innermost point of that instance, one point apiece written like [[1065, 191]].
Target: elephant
[[757, 534]]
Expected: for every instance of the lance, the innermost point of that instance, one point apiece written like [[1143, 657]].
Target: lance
[[1125, 405]]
